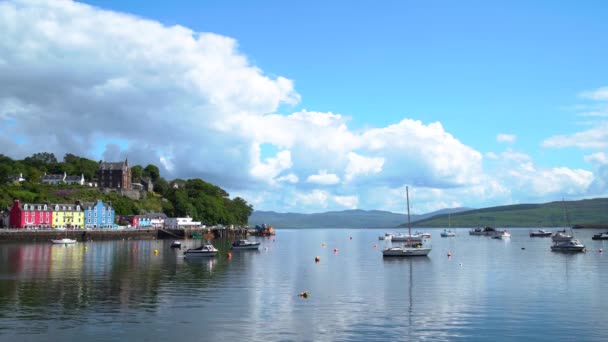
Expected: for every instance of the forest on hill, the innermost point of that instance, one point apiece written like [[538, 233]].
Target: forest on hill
[[196, 198], [588, 212]]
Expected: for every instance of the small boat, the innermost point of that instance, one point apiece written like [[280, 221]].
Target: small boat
[[541, 233], [568, 246], [447, 233], [502, 235], [206, 250], [176, 244], [561, 236], [386, 236], [245, 244], [406, 238], [406, 251], [413, 247], [422, 235], [486, 231], [63, 241], [600, 236]]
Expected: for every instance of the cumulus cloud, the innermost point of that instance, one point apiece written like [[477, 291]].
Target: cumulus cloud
[[78, 79], [506, 138], [323, 178], [593, 138]]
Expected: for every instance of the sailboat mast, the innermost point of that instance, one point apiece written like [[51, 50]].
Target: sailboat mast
[[409, 226]]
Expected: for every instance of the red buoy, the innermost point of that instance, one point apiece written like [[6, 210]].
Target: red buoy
[[449, 254], [317, 259]]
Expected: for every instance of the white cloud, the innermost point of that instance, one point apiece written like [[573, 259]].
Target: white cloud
[[506, 138], [290, 178], [360, 165], [349, 202], [597, 158], [193, 104], [593, 138], [323, 178], [597, 94]]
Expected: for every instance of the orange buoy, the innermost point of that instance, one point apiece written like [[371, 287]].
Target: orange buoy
[[229, 255], [317, 259]]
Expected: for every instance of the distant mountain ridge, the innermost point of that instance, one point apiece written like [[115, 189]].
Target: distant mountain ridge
[[356, 218]]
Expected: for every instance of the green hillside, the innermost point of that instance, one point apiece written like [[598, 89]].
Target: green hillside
[[553, 214]]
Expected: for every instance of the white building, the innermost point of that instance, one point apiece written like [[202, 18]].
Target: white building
[[181, 222]]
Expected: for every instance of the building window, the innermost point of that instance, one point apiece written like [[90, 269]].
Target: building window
[[89, 220]]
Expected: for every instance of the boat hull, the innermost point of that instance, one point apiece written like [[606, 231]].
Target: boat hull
[[199, 254], [405, 238], [251, 247], [541, 234], [568, 249], [405, 252]]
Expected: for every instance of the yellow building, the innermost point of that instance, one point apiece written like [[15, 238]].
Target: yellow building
[[67, 216]]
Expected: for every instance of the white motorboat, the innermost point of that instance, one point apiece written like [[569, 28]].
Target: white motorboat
[[568, 246], [176, 244], [541, 233], [423, 235], [413, 247], [561, 236], [205, 250], [502, 235], [486, 231], [63, 241], [386, 236], [245, 244], [447, 233], [600, 236]]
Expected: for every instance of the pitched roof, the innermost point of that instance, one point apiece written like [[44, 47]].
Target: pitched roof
[[111, 165]]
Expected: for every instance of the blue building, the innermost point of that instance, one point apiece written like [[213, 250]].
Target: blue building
[[98, 215]]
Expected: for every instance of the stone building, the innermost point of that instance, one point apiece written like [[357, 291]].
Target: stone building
[[114, 175]]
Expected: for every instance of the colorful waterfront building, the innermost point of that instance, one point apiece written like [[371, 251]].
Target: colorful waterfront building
[[30, 215], [98, 215], [131, 220], [67, 216]]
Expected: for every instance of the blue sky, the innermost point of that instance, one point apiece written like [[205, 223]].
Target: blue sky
[[471, 103]]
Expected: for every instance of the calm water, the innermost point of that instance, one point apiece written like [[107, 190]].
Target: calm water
[[488, 290]]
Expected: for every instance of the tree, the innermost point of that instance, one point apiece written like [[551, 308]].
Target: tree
[[152, 172], [137, 172], [161, 186]]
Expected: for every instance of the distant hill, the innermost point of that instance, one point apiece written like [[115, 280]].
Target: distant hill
[[338, 219], [590, 212]]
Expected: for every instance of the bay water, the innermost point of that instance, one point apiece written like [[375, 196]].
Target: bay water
[[488, 289]]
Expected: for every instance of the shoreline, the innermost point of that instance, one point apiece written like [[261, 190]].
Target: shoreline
[[81, 235]]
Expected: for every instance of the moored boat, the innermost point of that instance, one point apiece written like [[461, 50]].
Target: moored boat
[[386, 236], [413, 247], [561, 236], [501, 235], [600, 236], [245, 244], [176, 244], [423, 235], [540, 233], [447, 233], [205, 250], [568, 246], [486, 231]]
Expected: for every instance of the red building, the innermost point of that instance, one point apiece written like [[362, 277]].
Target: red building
[[30, 215], [132, 220]]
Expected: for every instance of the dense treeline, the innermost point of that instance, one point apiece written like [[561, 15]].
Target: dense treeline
[[196, 198]]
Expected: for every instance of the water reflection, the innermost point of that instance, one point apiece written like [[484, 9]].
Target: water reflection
[[487, 290]]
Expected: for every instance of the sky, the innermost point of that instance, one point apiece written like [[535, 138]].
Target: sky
[[316, 106]]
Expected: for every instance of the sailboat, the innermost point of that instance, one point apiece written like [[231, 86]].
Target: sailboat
[[64, 241], [566, 243], [448, 232], [411, 248]]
